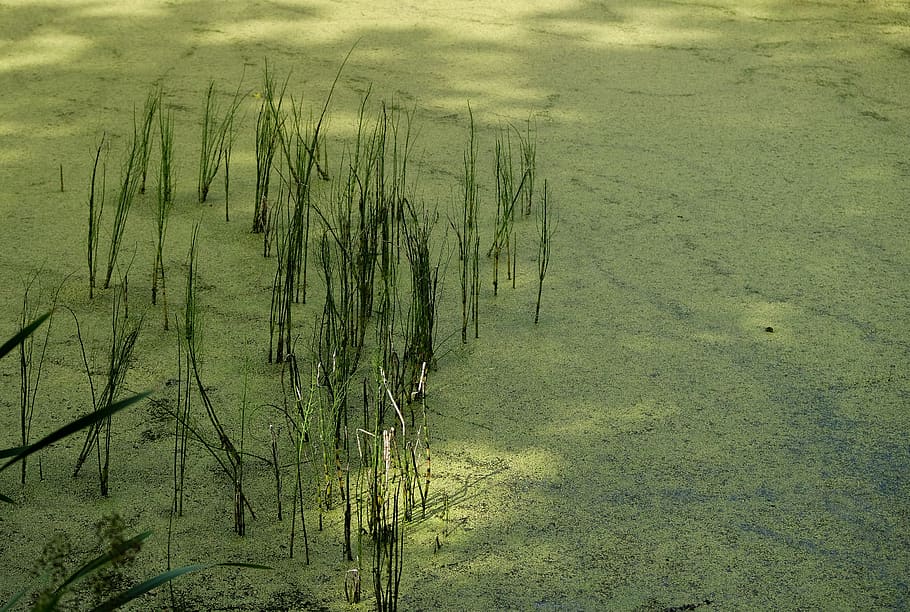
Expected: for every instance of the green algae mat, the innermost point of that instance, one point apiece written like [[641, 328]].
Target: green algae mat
[[710, 414]]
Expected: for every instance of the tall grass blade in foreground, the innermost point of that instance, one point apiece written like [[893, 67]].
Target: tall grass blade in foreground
[[119, 552], [21, 453]]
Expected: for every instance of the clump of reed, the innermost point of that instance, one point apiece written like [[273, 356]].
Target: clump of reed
[[388, 549], [163, 204], [269, 124], [144, 133], [217, 138], [30, 368], [300, 144], [298, 419], [468, 239], [388, 461], [224, 451], [129, 185], [124, 333], [507, 195], [421, 323]]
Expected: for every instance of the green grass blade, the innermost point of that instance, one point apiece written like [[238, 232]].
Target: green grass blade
[[9, 452], [99, 562], [15, 599], [155, 582], [23, 334], [73, 427]]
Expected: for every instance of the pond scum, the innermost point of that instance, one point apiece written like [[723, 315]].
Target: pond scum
[[356, 433]]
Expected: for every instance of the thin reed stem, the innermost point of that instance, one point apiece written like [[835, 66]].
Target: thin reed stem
[[545, 229], [152, 104], [30, 370], [95, 210]]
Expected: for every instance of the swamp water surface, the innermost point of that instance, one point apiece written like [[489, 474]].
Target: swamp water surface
[[712, 410]]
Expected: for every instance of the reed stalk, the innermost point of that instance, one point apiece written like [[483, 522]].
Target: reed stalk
[[95, 210], [228, 149], [274, 433], [545, 229], [502, 169], [239, 514], [152, 106], [304, 403], [181, 421], [225, 452], [528, 146]]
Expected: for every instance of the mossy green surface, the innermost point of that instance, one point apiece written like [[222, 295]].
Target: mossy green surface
[[719, 170]]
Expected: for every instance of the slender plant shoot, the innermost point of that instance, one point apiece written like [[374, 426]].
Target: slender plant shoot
[[545, 229]]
